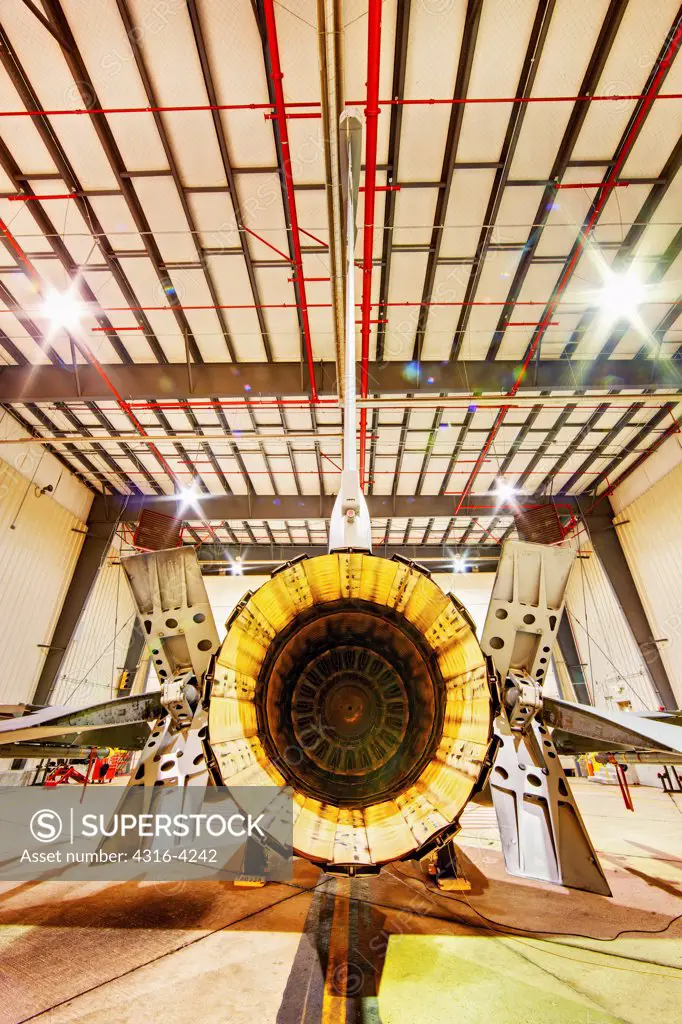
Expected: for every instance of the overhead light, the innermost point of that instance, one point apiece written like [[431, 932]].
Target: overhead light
[[621, 294], [459, 564], [237, 569], [62, 309], [505, 491], [187, 497]]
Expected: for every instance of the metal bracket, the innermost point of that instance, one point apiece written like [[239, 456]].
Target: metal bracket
[[349, 525], [543, 835], [525, 608], [523, 700], [173, 610], [174, 754], [174, 698]]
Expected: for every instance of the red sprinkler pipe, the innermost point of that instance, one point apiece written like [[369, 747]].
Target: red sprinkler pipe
[[269, 245], [186, 108], [40, 198], [371, 125], [605, 191], [593, 184], [292, 305], [277, 76], [20, 255]]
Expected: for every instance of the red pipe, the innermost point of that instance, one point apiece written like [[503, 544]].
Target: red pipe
[[482, 457], [269, 245], [309, 279], [461, 100], [371, 126], [313, 472], [40, 198], [189, 108], [20, 255], [605, 191], [486, 531], [290, 117], [277, 76], [295, 305], [314, 237], [239, 403], [594, 184]]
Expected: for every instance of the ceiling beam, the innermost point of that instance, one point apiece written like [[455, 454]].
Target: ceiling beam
[[595, 68], [233, 507], [472, 21], [249, 380], [260, 559], [490, 233], [107, 140], [234, 197]]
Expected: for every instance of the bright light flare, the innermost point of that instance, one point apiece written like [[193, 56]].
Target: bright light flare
[[236, 568], [187, 497], [505, 491], [621, 295], [459, 564], [63, 310]]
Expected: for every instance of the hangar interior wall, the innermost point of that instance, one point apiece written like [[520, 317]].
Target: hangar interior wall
[[613, 665], [649, 530], [94, 659], [40, 541]]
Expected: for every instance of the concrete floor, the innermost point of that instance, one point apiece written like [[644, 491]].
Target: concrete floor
[[387, 949]]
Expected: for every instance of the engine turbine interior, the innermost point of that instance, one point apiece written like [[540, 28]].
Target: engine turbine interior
[[360, 684]]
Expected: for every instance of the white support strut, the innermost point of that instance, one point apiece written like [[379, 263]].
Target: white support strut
[[350, 525]]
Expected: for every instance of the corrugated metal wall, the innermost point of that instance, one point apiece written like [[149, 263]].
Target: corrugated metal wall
[[612, 661], [37, 559], [95, 657], [649, 530]]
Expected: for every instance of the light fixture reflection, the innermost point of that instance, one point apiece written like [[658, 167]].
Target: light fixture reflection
[[187, 497], [237, 569], [621, 294], [62, 309], [459, 564], [505, 491]]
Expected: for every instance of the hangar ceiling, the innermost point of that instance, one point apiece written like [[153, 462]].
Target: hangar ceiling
[[172, 168]]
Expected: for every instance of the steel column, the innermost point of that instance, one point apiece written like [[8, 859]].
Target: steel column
[[132, 660], [102, 522], [606, 543], [569, 652]]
